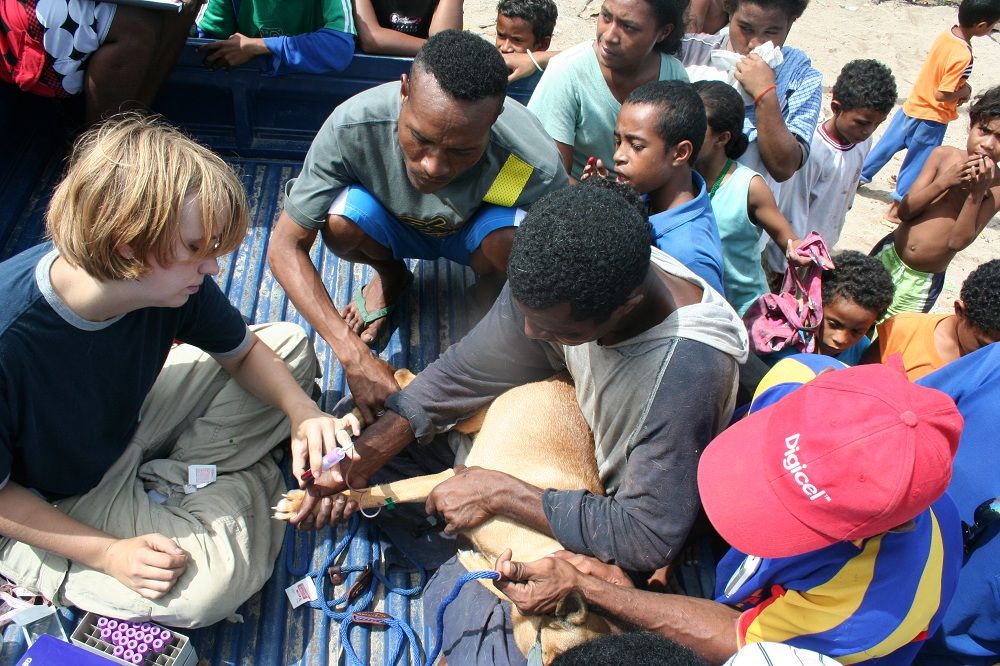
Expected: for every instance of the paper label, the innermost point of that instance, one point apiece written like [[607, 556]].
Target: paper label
[[301, 592], [200, 476]]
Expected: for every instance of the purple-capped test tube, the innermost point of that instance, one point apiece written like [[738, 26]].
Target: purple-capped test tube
[[132, 644], [111, 623], [118, 651], [166, 636], [106, 635], [130, 632], [146, 626], [102, 622], [143, 648], [117, 637], [148, 638], [127, 655], [136, 658], [157, 645]]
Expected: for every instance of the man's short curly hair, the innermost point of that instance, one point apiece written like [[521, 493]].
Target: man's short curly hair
[[633, 648], [986, 107], [981, 295], [971, 12], [540, 14], [466, 66], [865, 84], [859, 278], [630, 196], [585, 246]]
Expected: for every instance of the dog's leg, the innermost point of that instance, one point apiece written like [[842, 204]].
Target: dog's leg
[[407, 490]]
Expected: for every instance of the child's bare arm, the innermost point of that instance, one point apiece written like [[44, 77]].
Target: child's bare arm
[[934, 180], [980, 203], [763, 211]]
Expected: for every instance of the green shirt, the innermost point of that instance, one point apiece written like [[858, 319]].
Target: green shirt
[[576, 107], [358, 145], [273, 18]]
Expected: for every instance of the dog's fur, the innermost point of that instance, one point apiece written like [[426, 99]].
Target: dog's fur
[[536, 433]]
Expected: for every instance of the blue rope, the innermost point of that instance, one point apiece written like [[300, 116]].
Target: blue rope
[[342, 609], [439, 625]]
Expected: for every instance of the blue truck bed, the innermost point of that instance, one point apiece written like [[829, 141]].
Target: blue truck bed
[[263, 126]]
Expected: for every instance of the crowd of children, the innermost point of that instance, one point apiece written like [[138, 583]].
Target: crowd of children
[[709, 166]]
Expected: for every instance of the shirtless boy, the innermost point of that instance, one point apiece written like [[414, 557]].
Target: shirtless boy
[[947, 207]]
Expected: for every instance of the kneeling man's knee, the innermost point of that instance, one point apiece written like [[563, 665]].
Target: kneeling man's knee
[[293, 346]]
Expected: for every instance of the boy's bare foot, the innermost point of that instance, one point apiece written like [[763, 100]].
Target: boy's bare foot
[[892, 215], [372, 304]]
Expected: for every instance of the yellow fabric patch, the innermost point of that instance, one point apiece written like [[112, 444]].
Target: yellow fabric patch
[[509, 183]]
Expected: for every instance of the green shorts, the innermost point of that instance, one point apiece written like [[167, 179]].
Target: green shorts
[[915, 291]]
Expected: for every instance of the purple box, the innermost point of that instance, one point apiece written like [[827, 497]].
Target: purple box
[[50, 651]]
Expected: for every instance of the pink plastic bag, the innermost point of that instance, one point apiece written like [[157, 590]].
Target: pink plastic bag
[[790, 318]]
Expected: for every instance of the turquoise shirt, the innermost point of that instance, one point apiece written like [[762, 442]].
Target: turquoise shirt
[[743, 275]]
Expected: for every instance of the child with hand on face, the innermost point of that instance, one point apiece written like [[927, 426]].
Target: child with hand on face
[[742, 202], [948, 205], [659, 131], [524, 32]]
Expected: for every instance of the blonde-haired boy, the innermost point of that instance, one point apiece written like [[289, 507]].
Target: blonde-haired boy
[[104, 414]]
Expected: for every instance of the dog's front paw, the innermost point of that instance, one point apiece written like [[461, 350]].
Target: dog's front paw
[[289, 504]]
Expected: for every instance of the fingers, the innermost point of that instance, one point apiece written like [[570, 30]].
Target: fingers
[[309, 502], [503, 561]]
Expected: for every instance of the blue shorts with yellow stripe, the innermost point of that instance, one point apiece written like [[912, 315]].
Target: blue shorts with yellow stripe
[[406, 242]]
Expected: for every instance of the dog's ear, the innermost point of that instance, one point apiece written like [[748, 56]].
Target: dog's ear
[[572, 610]]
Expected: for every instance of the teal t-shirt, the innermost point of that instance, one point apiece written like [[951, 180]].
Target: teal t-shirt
[[272, 18], [576, 107], [742, 273]]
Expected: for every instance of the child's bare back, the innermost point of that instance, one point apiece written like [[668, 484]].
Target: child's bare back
[[947, 207]]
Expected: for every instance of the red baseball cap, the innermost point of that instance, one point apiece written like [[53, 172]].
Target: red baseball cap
[[849, 455]]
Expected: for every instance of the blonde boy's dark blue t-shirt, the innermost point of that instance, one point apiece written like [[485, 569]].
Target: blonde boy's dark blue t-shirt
[[71, 390]]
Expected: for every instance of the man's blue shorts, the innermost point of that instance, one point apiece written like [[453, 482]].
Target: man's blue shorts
[[361, 207]]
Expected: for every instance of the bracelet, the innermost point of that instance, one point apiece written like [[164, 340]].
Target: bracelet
[[756, 100], [535, 62]]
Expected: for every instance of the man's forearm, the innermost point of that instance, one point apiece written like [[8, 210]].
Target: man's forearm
[[27, 518], [522, 502], [779, 149], [378, 443], [916, 200], [706, 627], [966, 226]]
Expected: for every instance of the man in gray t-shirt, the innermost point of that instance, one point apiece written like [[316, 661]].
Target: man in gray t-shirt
[[434, 166]]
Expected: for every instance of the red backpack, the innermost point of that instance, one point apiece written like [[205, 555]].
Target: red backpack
[[791, 317]]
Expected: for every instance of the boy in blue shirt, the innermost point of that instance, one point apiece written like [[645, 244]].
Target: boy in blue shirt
[[660, 129]]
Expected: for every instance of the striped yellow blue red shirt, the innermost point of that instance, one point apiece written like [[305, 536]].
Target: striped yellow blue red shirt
[[868, 602]]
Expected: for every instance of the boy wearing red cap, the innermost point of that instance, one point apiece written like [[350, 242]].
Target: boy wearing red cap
[[833, 500]]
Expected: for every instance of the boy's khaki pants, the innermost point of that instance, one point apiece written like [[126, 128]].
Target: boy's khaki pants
[[194, 414]]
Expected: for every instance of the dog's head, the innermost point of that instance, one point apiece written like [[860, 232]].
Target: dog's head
[[571, 624]]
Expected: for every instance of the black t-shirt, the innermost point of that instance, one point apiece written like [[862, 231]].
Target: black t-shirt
[[411, 17], [71, 390]]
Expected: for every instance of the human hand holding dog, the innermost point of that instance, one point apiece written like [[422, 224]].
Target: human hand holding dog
[[464, 500], [535, 587]]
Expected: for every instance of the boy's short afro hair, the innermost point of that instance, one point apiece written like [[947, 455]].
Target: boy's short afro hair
[[466, 66], [859, 278], [630, 196], [865, 84], [987, 106], [585, 246], [793, 9], [981, 295], [681, 111], [633, 648], [540, 14], [971, 12]]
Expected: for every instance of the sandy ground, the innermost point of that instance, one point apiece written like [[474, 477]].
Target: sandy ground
[[833, 33]]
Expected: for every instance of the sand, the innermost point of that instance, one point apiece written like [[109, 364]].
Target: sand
[[833, 33]]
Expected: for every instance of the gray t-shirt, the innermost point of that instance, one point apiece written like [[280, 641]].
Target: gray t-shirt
[[358, 145], [652, 402]]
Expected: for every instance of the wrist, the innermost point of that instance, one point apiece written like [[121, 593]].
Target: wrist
[[763, 93]]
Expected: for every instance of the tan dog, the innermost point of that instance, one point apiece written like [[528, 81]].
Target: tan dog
[[536, 433]]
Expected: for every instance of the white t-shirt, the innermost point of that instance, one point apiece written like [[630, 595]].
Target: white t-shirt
[[819, 195]]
